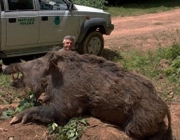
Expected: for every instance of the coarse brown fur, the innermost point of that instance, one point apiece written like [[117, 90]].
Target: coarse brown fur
[[86, 84]]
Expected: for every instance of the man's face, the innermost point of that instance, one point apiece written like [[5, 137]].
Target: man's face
[[68, 45]]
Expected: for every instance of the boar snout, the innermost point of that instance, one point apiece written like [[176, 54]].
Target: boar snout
[[6, 70]]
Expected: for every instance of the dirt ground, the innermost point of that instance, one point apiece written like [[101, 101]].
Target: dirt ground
[[144, 32]]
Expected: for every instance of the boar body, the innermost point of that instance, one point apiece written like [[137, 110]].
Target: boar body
[[77, 85]]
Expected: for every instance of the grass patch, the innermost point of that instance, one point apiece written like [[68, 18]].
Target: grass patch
[[162, 66], [4, 80], [8, 94], [144, 63], [128, 11]]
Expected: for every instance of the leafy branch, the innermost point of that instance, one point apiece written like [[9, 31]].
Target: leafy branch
[[24, 104], [71, 131]]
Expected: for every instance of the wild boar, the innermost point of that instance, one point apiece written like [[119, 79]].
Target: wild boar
[[77, 85]]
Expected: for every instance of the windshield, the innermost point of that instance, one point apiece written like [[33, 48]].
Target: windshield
[[53, 5]]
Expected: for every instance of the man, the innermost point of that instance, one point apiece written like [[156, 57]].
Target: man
[[68, 43]]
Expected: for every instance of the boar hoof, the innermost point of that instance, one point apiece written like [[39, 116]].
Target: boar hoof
[[20, 117], [15, 120]]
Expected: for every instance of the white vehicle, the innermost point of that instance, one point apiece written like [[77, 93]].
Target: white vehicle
[[35, 26]]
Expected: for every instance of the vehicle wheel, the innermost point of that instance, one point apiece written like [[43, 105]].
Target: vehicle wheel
[[93, 43]]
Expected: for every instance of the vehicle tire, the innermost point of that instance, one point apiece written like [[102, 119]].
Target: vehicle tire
[[93, 43]]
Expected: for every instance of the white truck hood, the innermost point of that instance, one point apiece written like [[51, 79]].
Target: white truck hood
[[86, 8]]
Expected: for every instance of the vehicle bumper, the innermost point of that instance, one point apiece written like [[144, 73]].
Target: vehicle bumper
[[109, 29]]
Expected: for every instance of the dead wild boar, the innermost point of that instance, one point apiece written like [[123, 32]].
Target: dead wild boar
[[77, 85]]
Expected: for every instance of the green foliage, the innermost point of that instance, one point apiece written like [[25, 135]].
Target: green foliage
[[24, 104], [172, 52], [5, 80], [162, 66], [134, 10], [147, 63], [92, 3], [7, 93], [141, 62], [146, 3], [71, 131], [174, 67], [173, 55], [130, 8], [7, 114]]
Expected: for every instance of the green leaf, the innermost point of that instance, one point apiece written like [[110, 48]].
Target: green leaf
[[7, 114], [71, 131]]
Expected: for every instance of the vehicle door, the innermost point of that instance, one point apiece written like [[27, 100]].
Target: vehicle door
[[56, 21], [1, 29], [21, 22]]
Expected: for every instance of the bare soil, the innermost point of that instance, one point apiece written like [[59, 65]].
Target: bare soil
[[145, 32]]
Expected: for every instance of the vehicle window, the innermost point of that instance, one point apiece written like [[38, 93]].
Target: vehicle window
[[52, 5], [20, 4], [2, 5]]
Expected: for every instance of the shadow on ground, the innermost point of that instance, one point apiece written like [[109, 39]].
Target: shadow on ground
[[111, 54]]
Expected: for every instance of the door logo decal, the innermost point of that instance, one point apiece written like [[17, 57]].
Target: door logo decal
[[56, 20], [26, 21]]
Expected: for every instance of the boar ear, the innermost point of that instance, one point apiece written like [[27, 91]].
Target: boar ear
[[53, 59]]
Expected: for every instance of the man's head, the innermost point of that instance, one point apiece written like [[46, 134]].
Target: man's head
[[68, 42]]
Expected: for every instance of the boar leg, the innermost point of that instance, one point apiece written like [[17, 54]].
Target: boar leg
[[44, 114]]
